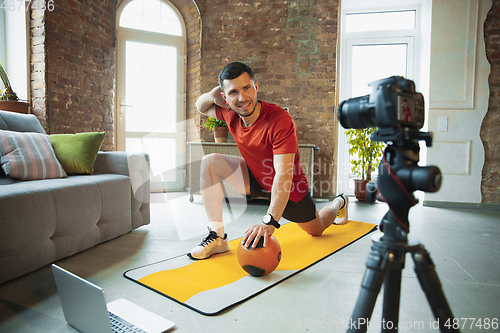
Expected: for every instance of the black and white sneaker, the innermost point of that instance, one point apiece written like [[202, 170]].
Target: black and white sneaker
[[342, 215], [211, 244]]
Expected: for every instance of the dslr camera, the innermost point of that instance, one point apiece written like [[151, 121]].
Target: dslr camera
[[393, 106], [397, 110]]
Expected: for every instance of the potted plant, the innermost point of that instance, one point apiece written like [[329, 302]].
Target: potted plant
[[367, 154], [219, 128], [8, 98], [8, 94]]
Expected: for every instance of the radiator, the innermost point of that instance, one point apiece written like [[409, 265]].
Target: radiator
[[199, 149]]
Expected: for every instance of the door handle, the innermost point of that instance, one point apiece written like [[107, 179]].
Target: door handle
[[121, 103], [122, 106]]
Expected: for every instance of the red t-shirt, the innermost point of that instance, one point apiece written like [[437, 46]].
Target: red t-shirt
[[273, 133]]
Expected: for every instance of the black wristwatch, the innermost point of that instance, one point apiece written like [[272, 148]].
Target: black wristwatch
[[268, 219]]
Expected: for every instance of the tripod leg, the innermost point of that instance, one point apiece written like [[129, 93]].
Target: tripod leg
[[377, 266], [427, 276], [392, 293]]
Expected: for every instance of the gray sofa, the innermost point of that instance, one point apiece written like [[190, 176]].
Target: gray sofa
[[46, 220]]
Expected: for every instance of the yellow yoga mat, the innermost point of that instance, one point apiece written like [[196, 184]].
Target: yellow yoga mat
[[215, 284]]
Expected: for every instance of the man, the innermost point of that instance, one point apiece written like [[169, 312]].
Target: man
[[266, 137]]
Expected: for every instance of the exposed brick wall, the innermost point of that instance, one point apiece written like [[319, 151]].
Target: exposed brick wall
[[291, 46], [73, 67], [490, 129], [38, 67], [80, 42]]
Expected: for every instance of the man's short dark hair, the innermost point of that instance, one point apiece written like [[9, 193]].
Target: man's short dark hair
[[234, 70]]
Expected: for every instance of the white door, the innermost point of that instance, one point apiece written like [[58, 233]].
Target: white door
[[371, 50], [151, 89]]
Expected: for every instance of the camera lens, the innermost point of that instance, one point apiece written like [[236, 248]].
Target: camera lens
[[426, 178], [356, 113]]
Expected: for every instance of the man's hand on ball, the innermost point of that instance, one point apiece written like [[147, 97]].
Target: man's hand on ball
[[254, 233]]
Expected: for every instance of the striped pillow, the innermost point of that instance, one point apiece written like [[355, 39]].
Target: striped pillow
[[28, 156]]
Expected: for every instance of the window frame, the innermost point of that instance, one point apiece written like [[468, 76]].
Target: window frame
[[124, 4], [352, 42], [350, 39], [3, 45], [379, 12], [145, 36], [15, 55]]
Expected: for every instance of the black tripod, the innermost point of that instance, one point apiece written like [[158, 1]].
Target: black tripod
[[399, 176]]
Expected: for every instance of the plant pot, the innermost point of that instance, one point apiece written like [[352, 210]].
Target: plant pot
[[360, 189], [221, 134]]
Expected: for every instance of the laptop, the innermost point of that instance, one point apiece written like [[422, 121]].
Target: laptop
[[85, 308]]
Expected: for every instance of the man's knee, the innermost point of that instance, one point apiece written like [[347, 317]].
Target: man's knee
[[209, 157], [220, 159], [312, 228], [208, 161]]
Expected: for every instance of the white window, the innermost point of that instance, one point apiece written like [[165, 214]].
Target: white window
[[2, 36], [375, 43], [380, 21], [14, 49], [151, 56], [153, 16]]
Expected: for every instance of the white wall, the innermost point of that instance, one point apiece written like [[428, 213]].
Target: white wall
[[458, 95]]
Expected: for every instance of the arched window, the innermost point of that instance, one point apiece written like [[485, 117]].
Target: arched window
[[151, 56], [151, 15]]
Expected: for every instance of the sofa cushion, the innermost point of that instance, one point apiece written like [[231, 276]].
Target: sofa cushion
[[13, 121], [28, 222], [77, 152], [48, 220], [28, 156]]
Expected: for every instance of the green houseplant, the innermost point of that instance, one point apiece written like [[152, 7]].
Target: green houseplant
[[219, 128], [367, 154], [8, 94]]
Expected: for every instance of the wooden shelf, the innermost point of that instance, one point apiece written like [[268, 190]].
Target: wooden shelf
[[15, 106]]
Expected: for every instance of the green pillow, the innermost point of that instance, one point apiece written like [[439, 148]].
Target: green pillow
[[77, 152]]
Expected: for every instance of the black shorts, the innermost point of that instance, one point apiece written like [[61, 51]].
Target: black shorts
[[299, 212]]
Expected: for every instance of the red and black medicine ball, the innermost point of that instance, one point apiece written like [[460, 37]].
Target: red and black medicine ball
[[261, 260]]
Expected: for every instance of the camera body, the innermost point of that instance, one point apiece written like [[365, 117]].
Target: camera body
[[397, 110], [393, 106]]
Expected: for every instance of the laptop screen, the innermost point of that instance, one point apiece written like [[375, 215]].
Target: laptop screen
[[83, 303]]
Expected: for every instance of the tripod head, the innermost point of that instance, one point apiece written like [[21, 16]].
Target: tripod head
[[399, 176]]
